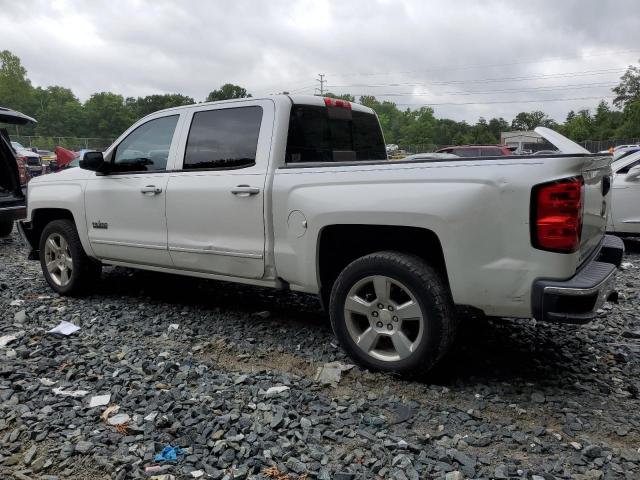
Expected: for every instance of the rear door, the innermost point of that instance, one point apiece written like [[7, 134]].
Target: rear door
[[626, 198], [215, 201]]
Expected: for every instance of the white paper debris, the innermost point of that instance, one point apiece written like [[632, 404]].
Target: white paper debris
[[274, 391], [16, 303], [70, 393], [99, 400], [197, 474], [173, 326], [64, 328], [626, 265], [6, 339], [119, 419], [46, 382], [331, 373]]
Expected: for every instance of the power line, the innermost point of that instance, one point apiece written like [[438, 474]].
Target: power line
[[485, 65], [489, 92], [503, 102], [551, 76], [301, 88]]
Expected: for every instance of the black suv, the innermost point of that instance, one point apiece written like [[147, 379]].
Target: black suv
[[12, 198]]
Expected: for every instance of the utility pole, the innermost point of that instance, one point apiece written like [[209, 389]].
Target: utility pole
[[322, 81]]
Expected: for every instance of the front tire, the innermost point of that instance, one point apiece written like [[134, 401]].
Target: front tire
[[393, 312], [66, 267], [6, 227]]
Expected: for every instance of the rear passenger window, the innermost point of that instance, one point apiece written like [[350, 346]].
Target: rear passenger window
[[490, 152], [225, 138], [466, 152]]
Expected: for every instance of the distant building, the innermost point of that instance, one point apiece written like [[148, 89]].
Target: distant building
[[522, 141]]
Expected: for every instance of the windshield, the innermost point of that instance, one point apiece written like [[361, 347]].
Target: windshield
[[17, 146]]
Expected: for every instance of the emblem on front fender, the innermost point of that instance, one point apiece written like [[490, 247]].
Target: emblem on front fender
[[100, 225]]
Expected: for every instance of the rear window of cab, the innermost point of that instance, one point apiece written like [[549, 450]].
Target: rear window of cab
[[333, 134]]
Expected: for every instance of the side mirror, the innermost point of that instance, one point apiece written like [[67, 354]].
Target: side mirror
[[633, 173], [93, 161]]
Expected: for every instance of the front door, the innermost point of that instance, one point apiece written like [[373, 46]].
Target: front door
[[215, 203], [125, 209]]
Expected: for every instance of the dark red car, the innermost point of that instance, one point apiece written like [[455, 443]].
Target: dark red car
[[477, 150]]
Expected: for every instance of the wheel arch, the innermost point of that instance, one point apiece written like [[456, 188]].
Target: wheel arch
[[41, 217], [340, 244]]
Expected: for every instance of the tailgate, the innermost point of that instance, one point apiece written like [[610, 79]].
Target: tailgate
[[596, 173]]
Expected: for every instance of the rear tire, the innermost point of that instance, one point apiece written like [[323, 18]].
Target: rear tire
[[6, 227], [393, 312], [65, 265]]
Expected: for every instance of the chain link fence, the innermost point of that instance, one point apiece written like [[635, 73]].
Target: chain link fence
[[101, 144], [594, 146], [70, 143]]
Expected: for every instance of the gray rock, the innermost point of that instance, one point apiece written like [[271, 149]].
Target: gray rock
[[455, 475], [344, 476], [592, 451], [296, 465], [29, 455], [83, 447], [538, 397]]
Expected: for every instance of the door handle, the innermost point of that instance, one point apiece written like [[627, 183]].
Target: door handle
[[151, 189], [245, 190]]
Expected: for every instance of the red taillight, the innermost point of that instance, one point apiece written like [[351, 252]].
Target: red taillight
[[335, 102], [556, 222]]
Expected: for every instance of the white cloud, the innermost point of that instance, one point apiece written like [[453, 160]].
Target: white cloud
[[152, 46]]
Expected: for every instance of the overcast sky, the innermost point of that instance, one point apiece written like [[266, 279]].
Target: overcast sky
[[464, 57]]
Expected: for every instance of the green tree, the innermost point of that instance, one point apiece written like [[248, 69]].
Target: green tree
[[605, 121], [107, 115], [482, 134], [497, 126], [531, 120], [628, 90], [16, 91], [143, 106], [421, 128], [58, 111], [630, 127], [227, 92], [344, 96], [580, 127]]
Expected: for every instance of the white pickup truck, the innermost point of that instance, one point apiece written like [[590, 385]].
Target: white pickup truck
[[296, 192]]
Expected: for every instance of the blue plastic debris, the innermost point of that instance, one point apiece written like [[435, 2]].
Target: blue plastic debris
[[169, 454]]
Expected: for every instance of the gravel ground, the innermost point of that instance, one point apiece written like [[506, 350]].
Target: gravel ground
[[190, 363]]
